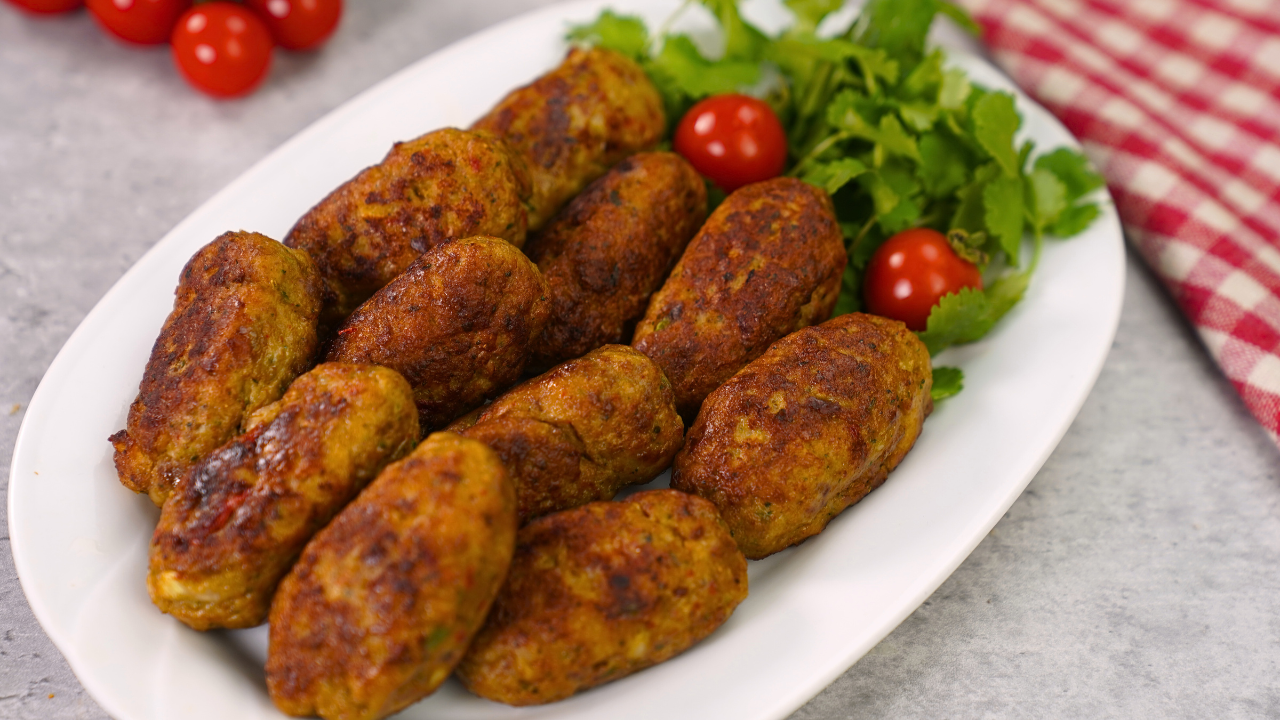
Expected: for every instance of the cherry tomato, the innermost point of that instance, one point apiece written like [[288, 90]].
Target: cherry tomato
[[47, 7], [144, 22], [911, 272], [299, 24], [222, 48], [733, 140]]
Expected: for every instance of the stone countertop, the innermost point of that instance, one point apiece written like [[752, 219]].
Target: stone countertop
[[1135, 578]]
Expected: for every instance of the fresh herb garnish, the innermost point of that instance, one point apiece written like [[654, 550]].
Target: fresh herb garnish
[[898, 139], [947, 381]]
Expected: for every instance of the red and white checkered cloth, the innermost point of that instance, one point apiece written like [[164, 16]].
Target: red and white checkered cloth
[[1177, 103]]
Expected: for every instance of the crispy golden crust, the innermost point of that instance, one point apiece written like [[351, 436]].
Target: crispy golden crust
[[458, 324], [384, 600], [239, 519], [444, 185], [766, 263], [611, 248], [575, 122], [582, 431], [243, 327], [808, 429], [602, 591]]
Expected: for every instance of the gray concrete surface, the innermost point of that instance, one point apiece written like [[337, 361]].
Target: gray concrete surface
[[1136, 577]]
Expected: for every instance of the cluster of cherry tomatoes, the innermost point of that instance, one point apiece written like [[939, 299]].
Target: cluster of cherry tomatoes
[[736, 140], [223, 48]]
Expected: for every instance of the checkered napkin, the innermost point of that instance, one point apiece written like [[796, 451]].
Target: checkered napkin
[[1177, 102]]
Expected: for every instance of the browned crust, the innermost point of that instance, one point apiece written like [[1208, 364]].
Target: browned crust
[[243, 326], [602, 591], [607, 252], [240, 518], [808, 429], [385, 600], [583, 430], [458, 324], [444, 185], [766, 263], [573, 123]]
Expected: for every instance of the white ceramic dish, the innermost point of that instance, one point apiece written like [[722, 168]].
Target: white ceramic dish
[[79, 539]]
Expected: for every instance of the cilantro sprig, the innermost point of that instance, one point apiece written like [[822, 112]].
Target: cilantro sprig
[[898, 139]]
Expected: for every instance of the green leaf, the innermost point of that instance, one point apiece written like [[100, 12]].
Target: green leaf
[[845, 113], [742, 41], [897, 26], [831, 176], [1005, 292], [919, 116], [1024, 153], [1073, 170], [685, 68], [861, 253], [926, 78], [882, 194], [1002, 212], [969, 314], [902, 217], [901, 179], [1047, 198], [955, 89], [1074, 220], [625, 34], [961, 17], [947, 381], [810, 13], [943, 164], [994, 123], [957, 318], [971, 213], [874, 64], [850, 299], [895, 139]]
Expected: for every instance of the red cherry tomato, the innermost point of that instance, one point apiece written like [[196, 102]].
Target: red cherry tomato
[[911, 272], [47, 7], [299, 24], [733, 140], [144, 22], [222, 48]]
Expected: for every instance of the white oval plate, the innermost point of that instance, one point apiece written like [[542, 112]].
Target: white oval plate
[[80, 539]]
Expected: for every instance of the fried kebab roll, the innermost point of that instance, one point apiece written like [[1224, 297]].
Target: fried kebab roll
[[602, 591], [582, 431], [243, 326], [446, 184], [575, 122], [385, 600], [610, 248], [808, 429], [766, 263], [237, 522], [458, 324]]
